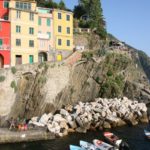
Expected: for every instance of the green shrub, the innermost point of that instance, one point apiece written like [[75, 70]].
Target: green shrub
[[13, 70], [14, 86], [87, 55], [2, 78], [42, 80]]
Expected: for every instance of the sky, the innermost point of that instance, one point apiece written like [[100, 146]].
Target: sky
[[128, 20]]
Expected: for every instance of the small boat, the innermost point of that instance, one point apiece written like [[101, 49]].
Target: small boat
[[147, 133], [74, 147], [88, 146], [116, 141], [102, 145]]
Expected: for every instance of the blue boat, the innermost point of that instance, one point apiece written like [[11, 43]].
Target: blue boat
[[74, 147]]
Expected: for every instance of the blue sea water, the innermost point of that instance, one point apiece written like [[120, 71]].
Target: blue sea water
[[134, 136]]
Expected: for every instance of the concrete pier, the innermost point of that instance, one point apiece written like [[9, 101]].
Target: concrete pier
[[7, 136]]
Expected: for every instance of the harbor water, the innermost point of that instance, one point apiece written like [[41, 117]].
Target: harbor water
[[134, 136]]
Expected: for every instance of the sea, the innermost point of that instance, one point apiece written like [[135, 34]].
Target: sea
[[134, 136]]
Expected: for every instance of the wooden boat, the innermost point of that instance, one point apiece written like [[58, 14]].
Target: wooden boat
[[88, 146], [116, 141], [74, 147], [102, 145], [147, 133]]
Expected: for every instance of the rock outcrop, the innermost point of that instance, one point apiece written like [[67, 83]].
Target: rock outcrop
[[98, 114]]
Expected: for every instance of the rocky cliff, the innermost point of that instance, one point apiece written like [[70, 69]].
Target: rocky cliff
[[32, 90]]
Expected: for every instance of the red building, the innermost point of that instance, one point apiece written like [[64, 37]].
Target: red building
[[4, 34]]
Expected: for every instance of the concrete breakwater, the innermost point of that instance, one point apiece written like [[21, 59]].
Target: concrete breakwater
[[98, 114]]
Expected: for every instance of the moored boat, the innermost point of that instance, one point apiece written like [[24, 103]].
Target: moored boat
[[147, 133], [102, 145], [74, 147], [88, 146], [116, 141]]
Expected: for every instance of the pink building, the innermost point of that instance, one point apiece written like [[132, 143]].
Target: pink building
[[45, 35]]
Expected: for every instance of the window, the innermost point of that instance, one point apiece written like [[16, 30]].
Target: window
[[6, 17], [18, 29], [68, 17], [31, 16], [49, 34], [6, 4], [31, 43], [59, 28], [68, 30], [1, 42], [23, 6], [39, 21], [59, 15], [59, 41], [18, 42], [48, 22], [31, 59], [68, 42], [18, 14], [31, 30]]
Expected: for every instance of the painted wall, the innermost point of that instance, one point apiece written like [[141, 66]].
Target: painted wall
[[5, 36], [43, 29], [25, 23], [63, 35], [3, 11]]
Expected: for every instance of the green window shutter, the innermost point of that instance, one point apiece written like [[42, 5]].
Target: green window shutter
[[1, 42], [31, 59], [39, 21], [48, 22], [6, 4]]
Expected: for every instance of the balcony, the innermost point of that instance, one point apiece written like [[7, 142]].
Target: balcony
[[4, 47], [43, 36]]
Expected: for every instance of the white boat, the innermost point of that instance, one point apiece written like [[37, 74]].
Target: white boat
[[88, 146], [102, 145], [147, 133], [74, 147]]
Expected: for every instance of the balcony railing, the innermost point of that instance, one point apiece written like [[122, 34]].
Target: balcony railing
[[43, 36], [4, 47]]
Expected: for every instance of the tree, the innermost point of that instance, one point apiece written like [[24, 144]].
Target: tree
[[97, 22], [62, 5]]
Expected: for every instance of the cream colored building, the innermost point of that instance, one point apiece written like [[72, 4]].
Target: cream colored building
[[24, 29], [63, 33]]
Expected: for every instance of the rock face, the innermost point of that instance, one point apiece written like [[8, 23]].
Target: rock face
[[33, 90], [99, 114]]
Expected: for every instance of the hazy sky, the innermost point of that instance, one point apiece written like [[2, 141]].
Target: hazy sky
[[128, 20]]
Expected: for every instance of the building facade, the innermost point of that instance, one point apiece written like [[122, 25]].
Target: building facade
[[63, 33], [4, 35], [23, 17], [45, 35]]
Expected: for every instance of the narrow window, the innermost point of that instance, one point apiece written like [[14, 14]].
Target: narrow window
[[68, 42], [68, 17], [59, 41], [59, 16], [6, 4], [18, 29], [31, 30], [48, 22], [31, 43], [59, 29], [18, 14], [39, 21], [18, 42], [31, 16], [1, 42], [68, 30]]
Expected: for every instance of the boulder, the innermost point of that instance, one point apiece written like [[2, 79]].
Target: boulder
[[106, 125], [44, 119], [81, 130]]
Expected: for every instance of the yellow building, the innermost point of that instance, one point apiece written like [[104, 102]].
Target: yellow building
[[63, 33], [24, 29]]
